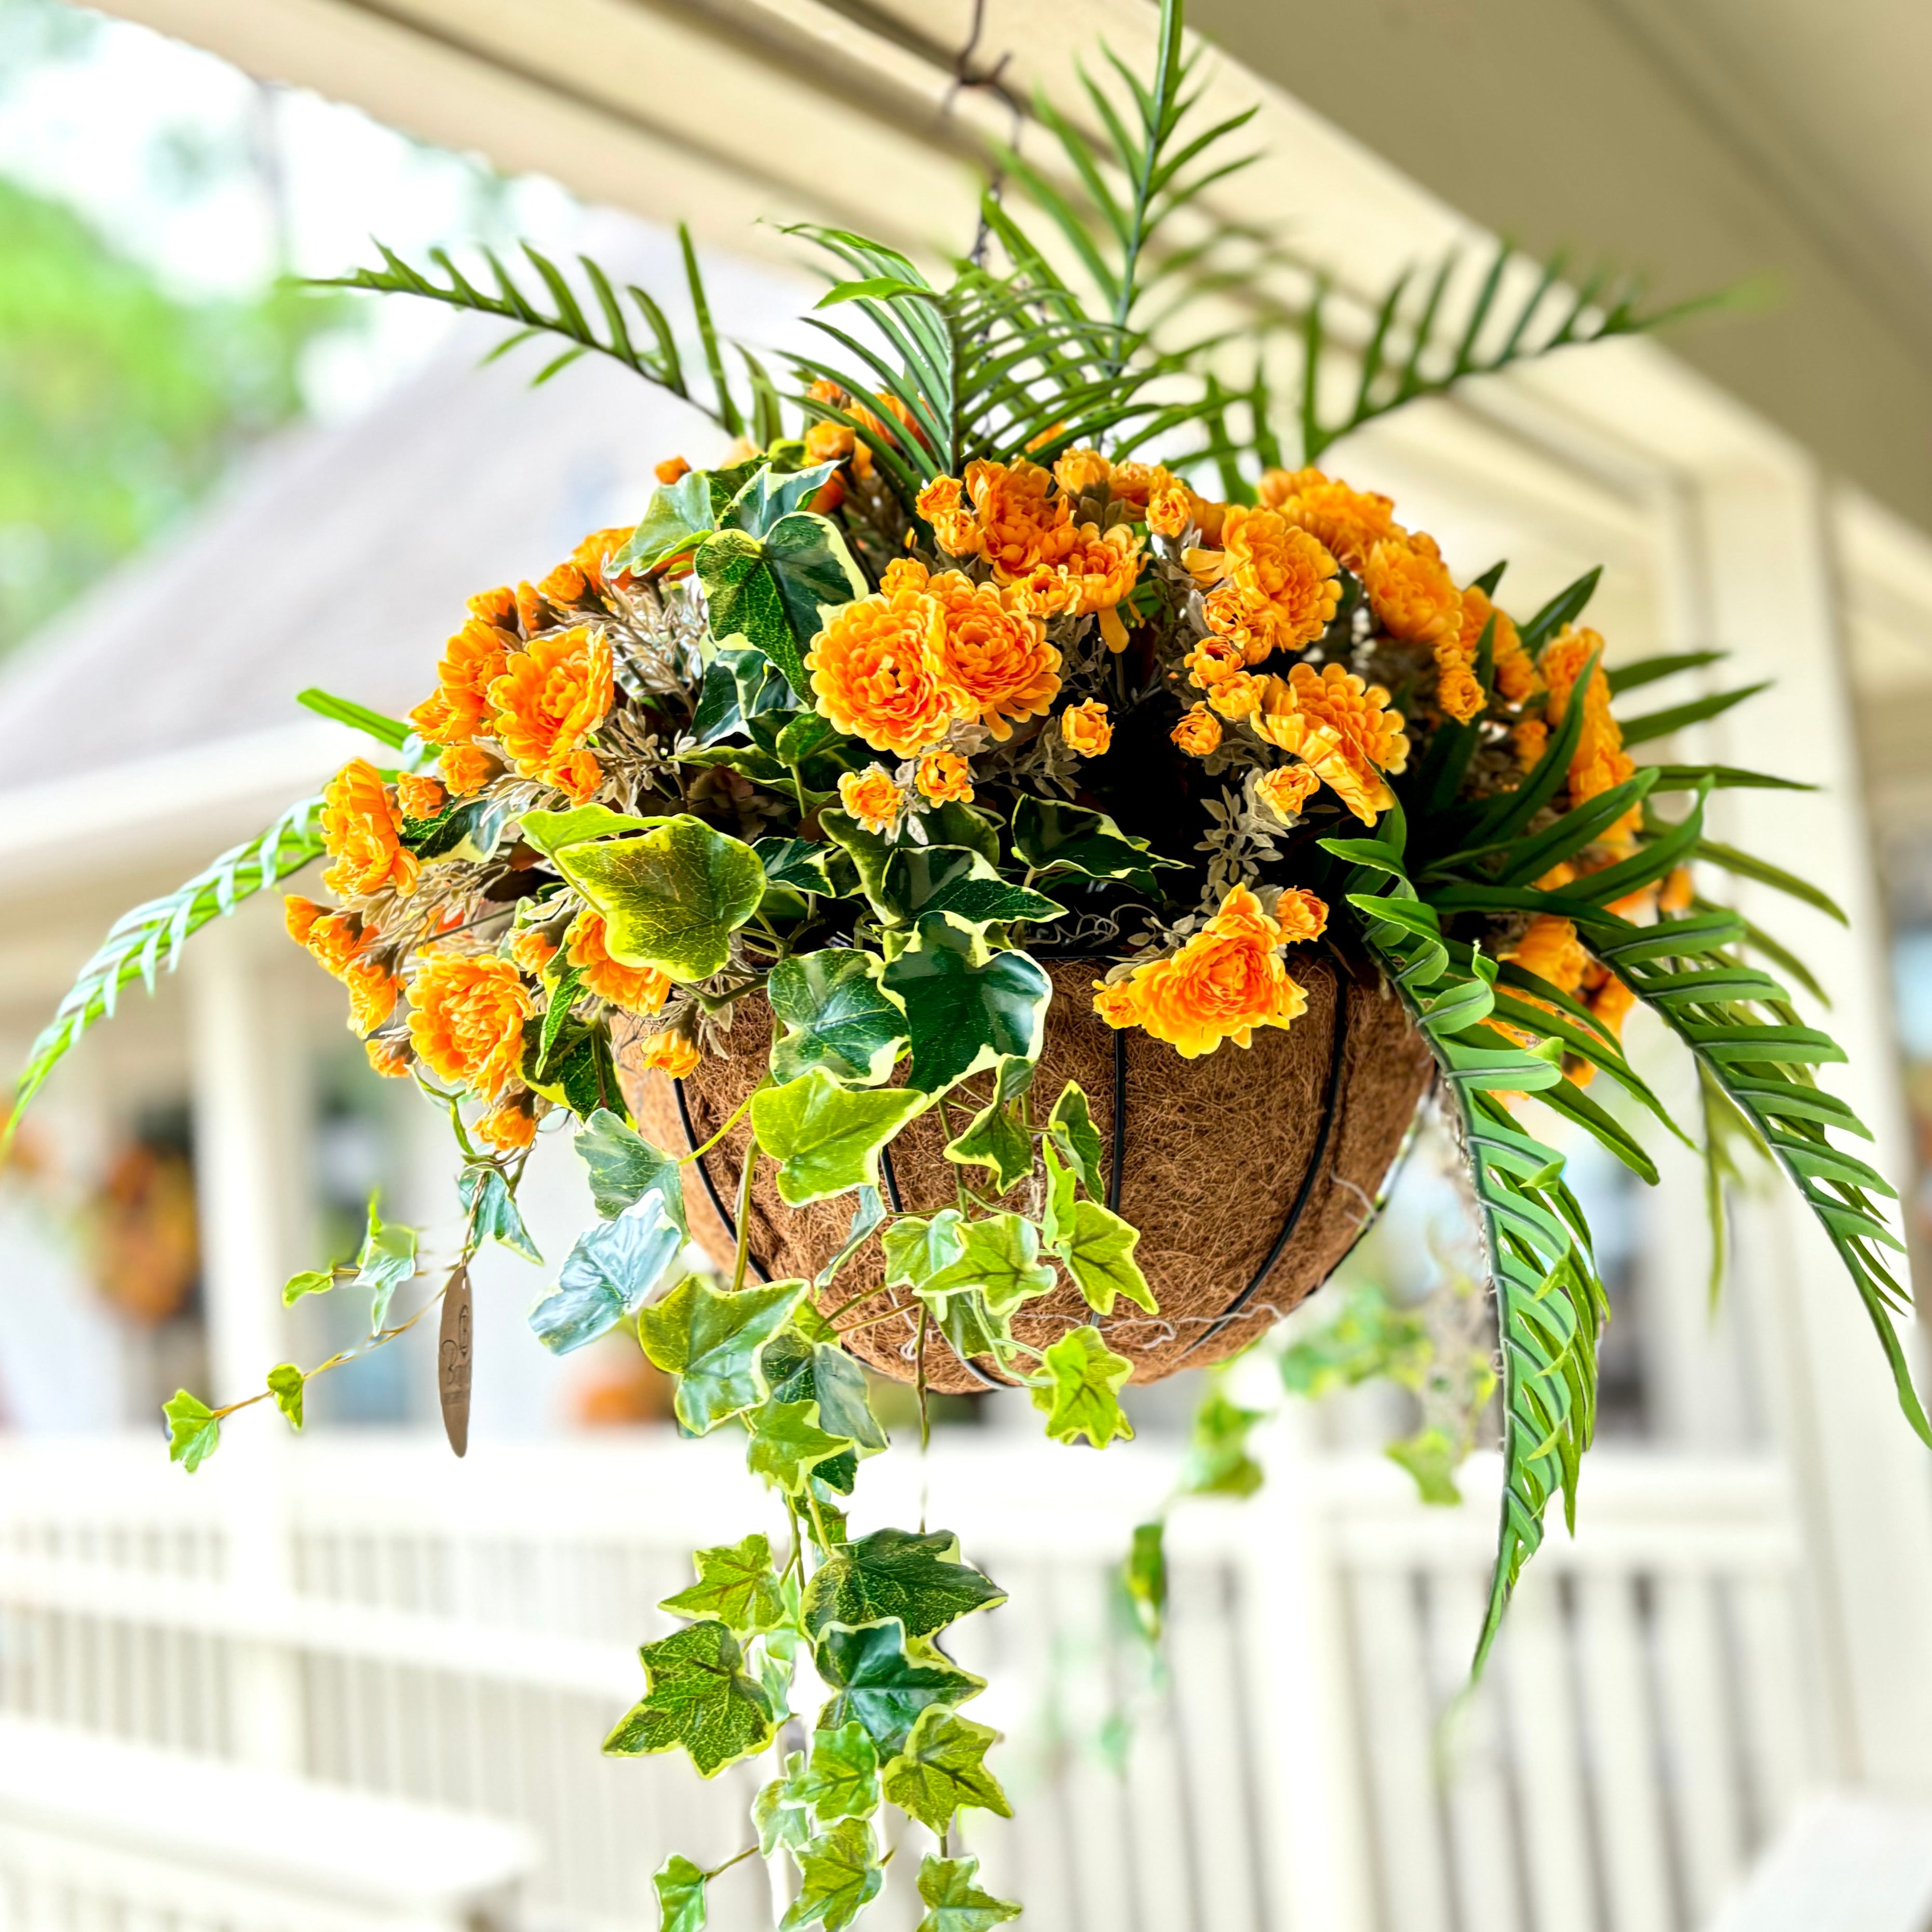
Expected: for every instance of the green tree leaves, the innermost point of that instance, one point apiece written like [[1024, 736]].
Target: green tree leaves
[[1079, 1389], [670, 898], [711, 1341], [834, 1017], [943, 1768], [917, 1580], [826, 1137], [966, 1008], [767, 592], [699, 1697]]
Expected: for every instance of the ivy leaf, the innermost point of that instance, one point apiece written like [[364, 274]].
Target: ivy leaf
[[1000, 1258], [1051, 836], [966, 1009], [768, 592], [883, 1680], [950, 822], [773, 494], [699, 1697], [961, 885], [623, 1167], [787, 1444], [670, 898], [973, 1329], [1057, 1217], [678, 514], [736, 1586], [943, 1768], [779, 1812], [388, 1259], [310, 1281], [1072, 1125], [570, 1064], [550, 831], [866, 1216], [1144, 1576], [1218, 1462], [838, 1876], [919, 1581], [869, 852], [1099, 1253], [712, 1341], [680, 1889], [826, 1137], [285, 1384], [843, 1780], [993, 1137], [487, 1199], [738, 686], [1079, 1391], [606, 1276], [954, 1903], [835, 1018], [801, 1369], [194, 1431], [916, 1249], [796, 863]]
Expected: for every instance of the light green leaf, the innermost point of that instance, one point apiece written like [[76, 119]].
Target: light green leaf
[[1079, 1391], [1000, 1258], [882, 1679], [994, 1139], [917, 1249], [954, 1903], [787, 1444], [1144, 1576], [736, 1586], [1073, 1126], [769, 592], [801, 1369], [943, 1769], [624, 1167], [680, 1889], [550, 831], [285, 1384], [1218, 1462], [712, 1342], [312, 1281], [606, 1276], [966, 1009], [670, 898], [772, 494], [1052, 837], [843, 1780], [388, 1259], [486, 1197], [1099, 1256], [826, 1138], [918, 1580], [1431, 1459], [834, 1017], [780, 1814], [839, 1875], [699, 1696], [1056, 1218], [194, 1433], [677, 513]]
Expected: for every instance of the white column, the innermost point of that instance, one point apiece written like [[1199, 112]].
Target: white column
[[248, 1083]]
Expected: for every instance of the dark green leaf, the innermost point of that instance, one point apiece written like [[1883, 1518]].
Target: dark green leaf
[[1678, 717], [918, 1580], [769, 592], [966, 1009], [486, 1198], [834, 1017], [1052, 837], [622, 1167], [883, 1679]]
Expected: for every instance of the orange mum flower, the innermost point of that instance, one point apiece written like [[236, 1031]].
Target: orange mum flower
[[532, 948], [1300, 915], [634, 989], [997, 657], [467, 768], [1412, 594], [472, 660], [1225, 981], [372, 996], [669, 471], [878, 666], [1350, 523], [1083, 472], [829, 442], [1529, 741], [1021, 525], [954, 529], [1286, 789], [336, 940], [360, 828], [467, 1019], [1239, 696], [419, 797], [1679, 890], [511, 1124], [1550, 949], [497, 608], [872, 798], [1600, 760], [942, 775], [1345, 729], [671, 1054], [1087, 728], [550, 698], [1515, 675], [1279, 587], [1213, 658], [1101, 572], [389, 1054], [1198, 733]]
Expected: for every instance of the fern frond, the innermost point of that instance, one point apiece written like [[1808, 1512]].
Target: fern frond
[[144, 943]]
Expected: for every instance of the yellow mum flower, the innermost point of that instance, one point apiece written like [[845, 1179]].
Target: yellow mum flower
[[1278, 586], [1600, 760], [549, 700], [942, 775], [1286, 789], [532, 949], [361, 829], [389, 1055], [419, 797], [1022, 525], [1300, 915], [1346, 729], [1239, 696], [632, 989], [674, 1055], [1349, 522], [872, 798], [1213, 658], [1087, 728], [1198, 733], [1550, 949], [1515, 675], [1412, 594], [955, 528], [467, 768], [1081, 472], [878, 666], [466, 1017]]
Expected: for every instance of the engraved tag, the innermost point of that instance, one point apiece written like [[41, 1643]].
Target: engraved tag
[[452, 1360]]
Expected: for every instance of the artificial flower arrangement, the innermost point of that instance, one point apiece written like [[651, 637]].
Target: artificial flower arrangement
[[999, 865]]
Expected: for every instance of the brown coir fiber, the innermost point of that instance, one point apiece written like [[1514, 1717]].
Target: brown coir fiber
[[1218, 1152]]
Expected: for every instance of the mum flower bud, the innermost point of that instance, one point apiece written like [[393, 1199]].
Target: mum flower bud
[[1087, 728], [1198, 733], [671, 1053], [872, 798], [944, 776]]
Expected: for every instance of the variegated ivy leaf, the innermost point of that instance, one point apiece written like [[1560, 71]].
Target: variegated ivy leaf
[[769, 592], [786, 1444], [678, 515], [194, 1429], [699, 1696], [839, 1875], [781, 1814], [966, 1008], [712, 1342], [883, 1679], [918, 1580], [622, 1167], [959, 884], [1072, 1125], [680, 1889], [953, 1903], [1079, 1389], [917, 1249], [1053, 837], [1099, 1252], [736, 1586], [943, 1768], [994, 1137], [834, 1017], [843, 1780], [550, 831], [796, 863], [286, 1381], [486, 1197], [388, 1259], [801, 1368], [608, 1275], [999, 1257], [1057, 1215], [825, 1138], [670, 898]]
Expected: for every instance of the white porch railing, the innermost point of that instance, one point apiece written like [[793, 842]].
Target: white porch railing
[[371, 1613]]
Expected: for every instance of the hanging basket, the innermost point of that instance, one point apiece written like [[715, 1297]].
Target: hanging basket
[[1249, 1173]]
